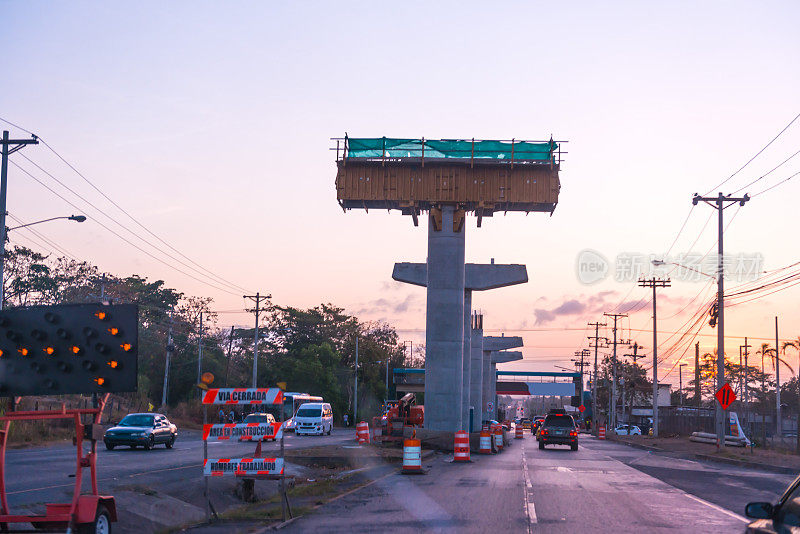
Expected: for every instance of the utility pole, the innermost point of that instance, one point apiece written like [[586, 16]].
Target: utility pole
[[697, 396], [635, 356], [230, 352], [655, 283], [200, 353], [680, 382], [718, 203], [170, 347], [257, 298], [746, 381], [613, 410], [580, 364], [595, 346], [7, 147], [355, 388], [778, 425]]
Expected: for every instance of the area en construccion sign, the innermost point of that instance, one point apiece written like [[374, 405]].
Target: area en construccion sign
[[243, 396], [242, 466], [247, 431]]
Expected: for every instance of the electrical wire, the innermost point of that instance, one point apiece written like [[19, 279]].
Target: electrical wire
[[128, 241], [726, 180], [210, 274], [767, 173]]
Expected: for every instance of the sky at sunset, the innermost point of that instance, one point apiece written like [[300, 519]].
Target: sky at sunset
[[210, 123]]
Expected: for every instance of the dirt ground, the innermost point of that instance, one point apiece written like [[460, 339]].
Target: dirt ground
[[682, 444]]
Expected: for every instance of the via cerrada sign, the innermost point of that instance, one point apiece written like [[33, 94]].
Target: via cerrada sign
[[243, 396]]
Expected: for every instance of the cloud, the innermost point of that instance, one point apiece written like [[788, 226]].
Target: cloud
[[390, 306]]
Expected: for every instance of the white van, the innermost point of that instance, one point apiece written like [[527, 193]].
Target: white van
[[313, 418]]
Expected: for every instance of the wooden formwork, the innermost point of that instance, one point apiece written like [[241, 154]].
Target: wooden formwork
[[483, 187]]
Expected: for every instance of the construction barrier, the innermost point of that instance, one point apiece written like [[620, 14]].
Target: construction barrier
[[362, 432], [601, 432], [498, 438], [412, 456], [461, 447], [485, 444], [518, 432]]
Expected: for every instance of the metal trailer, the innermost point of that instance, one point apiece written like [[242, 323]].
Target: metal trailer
[[91, 513]]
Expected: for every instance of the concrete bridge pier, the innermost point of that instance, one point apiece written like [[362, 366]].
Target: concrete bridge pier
[[444, 332], [476, 371], [494, 352]]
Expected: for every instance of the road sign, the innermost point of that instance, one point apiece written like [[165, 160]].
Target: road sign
[[725, 396], [242, 466], [243, 396], [489, 406], [244, 431], [582, 408]]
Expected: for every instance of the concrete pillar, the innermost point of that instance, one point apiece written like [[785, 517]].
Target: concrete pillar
[[493, 390], [486, 384], [466, 355], [444, 335], [476, 373]]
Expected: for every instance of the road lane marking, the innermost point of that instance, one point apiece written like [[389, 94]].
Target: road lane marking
[[528, 505], [718, 508]]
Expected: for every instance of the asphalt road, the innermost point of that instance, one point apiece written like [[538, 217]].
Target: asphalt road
[[603, 487], [39, 475]]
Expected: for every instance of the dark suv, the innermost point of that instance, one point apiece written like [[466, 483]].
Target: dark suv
[[558, 429]]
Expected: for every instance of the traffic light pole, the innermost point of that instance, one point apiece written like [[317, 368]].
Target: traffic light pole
[[7, 147], [718, 203]]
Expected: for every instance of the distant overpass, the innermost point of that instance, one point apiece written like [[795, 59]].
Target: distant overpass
[[537, 383]]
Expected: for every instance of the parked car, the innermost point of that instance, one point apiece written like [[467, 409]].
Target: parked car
[[314, 418], [141, 430], [628, 430], [783, 516], [258, 418], [558, 429], [526, 424]]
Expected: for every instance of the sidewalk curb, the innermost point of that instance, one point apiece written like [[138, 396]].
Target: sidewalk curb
[[708, 458]]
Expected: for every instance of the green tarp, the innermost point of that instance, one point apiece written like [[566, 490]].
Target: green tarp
[[465, 149]]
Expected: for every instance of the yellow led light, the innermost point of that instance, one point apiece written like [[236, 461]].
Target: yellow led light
[[23, 351], [100, 380], [49, 351], [126, 347], [75, 349], [114, 331], [101, 315], [113, 364]]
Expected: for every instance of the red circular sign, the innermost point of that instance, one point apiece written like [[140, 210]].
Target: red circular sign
[[581, 408]]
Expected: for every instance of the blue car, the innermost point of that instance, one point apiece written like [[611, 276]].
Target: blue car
[[141, 430]]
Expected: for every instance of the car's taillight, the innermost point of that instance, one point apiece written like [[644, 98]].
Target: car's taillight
[[573, 433], [544, 432]]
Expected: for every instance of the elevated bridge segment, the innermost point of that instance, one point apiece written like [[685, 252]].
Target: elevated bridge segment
[[448, 179]]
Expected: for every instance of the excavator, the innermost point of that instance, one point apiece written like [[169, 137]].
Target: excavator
[[401, 413]]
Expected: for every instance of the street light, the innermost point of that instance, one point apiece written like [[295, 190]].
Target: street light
[[76, 218]]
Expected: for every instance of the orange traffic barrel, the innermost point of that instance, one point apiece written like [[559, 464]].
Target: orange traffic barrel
[[601, 432], [412, 456], [461, 447], [362, 432], [498, 437], [518, 432], [485, 444]]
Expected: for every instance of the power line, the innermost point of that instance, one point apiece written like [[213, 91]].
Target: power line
[[219, 279], [775, 185], [767, 173], [128, 241], [754, 157], [112, 219]]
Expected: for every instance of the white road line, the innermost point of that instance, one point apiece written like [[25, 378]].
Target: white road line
[[718, 508], [528, 505]]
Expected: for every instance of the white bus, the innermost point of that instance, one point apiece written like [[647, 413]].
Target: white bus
[[291, 402]]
